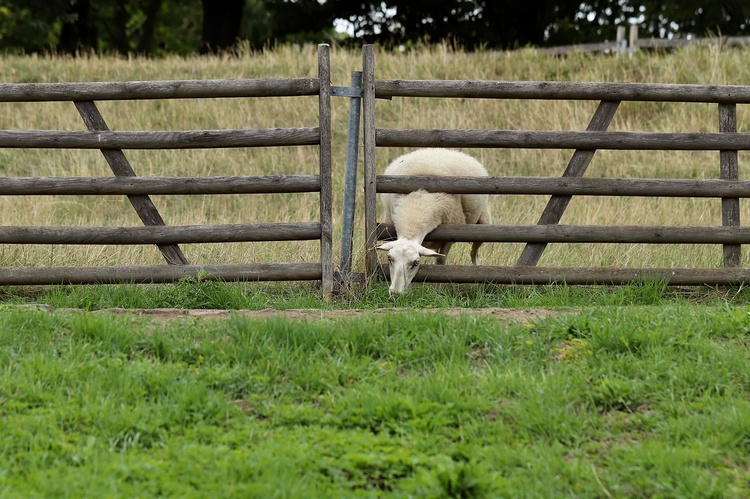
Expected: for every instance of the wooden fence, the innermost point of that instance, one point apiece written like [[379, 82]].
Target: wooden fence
[[585, 143], [627, 41], [138, 189]]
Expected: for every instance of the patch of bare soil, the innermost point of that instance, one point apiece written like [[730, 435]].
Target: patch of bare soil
[[503, 314]]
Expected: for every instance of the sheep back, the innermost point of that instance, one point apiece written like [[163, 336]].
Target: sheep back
[[440, 162]]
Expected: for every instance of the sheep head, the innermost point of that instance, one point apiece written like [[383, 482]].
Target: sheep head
[[404, 259]]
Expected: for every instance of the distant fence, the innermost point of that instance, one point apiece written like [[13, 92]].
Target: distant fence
[[138, 189], [628, 41], [585, 143]]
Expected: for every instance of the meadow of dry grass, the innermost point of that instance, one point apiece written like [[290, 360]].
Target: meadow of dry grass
[[704, 65]]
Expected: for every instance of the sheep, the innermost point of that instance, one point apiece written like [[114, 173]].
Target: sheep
[[416, 214]]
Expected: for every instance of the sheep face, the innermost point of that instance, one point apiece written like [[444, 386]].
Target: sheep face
[[404, 260]]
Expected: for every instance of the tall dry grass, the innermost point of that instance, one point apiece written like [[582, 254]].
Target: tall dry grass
[[705, 65]]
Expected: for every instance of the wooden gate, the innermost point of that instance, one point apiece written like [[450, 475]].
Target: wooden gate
[[138, 189], [560, 189]]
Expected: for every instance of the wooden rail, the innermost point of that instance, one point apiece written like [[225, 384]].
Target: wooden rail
[[165, 89], [191, 139], [584, 144], [579, 275], [647, 187], [562, 90], [553, 233], [112, 144], [158, 234], [147, 274], [261, 184], [542, 139]]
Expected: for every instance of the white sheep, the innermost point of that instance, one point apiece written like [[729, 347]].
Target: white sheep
[[416, 214]]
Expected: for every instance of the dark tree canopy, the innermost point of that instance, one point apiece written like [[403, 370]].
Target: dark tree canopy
[[221, 24], [210, 26]]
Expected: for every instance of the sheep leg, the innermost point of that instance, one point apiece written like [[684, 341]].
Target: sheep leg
[[484, 218], [444, 249], [441, 248]]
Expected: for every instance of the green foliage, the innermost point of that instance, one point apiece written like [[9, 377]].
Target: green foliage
[[177, 27], [653, 402], [201, 293]]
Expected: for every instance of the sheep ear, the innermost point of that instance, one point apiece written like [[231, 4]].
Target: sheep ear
[[428, 252], [385, 246]]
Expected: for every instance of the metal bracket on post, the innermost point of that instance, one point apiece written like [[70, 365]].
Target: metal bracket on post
[[354, 92]]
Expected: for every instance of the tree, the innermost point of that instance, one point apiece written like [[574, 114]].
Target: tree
[[78, 32], [298, 21], [221, 24], [210, 26], [466, 23], [512, 23], [695, 17]]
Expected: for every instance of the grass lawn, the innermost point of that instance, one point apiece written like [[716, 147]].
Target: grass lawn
[[596, 401]]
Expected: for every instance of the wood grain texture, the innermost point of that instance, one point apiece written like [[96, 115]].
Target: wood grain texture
[[370, 159], [550, 139], [161, 89], [703, 188], [576, 167], [186, 139], [120, 166], [262, 184], [580, 275], [730, 207], [162, 235], [326, 181], [558, 90], [154, 274], [581, 234]]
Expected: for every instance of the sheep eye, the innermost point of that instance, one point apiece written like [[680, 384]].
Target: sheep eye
[[390, 259], [415, 263]]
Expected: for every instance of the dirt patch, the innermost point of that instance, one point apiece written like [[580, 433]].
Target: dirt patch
[[503, 314]]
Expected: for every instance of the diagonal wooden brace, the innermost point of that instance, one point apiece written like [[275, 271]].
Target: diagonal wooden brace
[[577, 165], [120, 166]]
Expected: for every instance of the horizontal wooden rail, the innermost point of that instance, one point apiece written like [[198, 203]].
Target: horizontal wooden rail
[[165, 89], [546, 139], [137, 186], [154, 274], [188, 139], [160, 234], [581, 234], [564, 186], [557, 90], [579, 275]]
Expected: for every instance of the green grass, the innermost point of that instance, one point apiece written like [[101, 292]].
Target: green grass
[[197, 293], [191, 293], [638, 401]]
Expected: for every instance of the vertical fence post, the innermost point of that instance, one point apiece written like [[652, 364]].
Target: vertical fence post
[[326, 188], [633, 38], [350, 187], [622, 43], [730, 207], [368, 129]]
